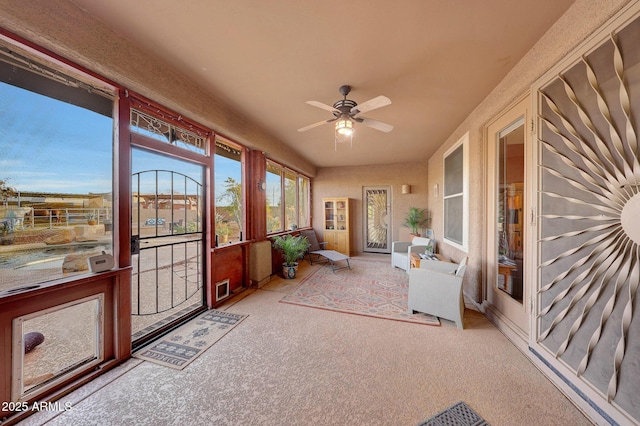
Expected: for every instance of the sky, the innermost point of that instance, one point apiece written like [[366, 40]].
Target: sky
[[51, 146]]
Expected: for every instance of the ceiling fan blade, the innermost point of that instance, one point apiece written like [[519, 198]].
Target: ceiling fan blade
[[322, 106], [371, 104], [319, 123], [375, 124]]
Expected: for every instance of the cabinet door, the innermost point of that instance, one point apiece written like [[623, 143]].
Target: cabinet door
[[329, 238], [341, 215], [341, 243], [329, 214]]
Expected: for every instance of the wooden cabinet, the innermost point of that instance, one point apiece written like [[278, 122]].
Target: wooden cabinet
[[337, 225]]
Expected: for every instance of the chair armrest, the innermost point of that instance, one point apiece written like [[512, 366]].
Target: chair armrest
[[323, 245], [417, 249], [400, 246]]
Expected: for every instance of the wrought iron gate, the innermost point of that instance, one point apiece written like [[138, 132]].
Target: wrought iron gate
[[167, 243]]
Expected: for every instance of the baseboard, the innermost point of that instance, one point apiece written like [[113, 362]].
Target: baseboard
[[261, 283], [517, 336]]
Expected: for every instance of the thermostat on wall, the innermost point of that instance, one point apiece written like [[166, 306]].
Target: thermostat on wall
[[100, 263]]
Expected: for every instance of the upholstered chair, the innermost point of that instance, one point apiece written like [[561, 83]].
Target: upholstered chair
[[436, 288], [401, 251]]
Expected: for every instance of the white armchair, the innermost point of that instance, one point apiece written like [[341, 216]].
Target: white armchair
[[401, 251], [436, 288]]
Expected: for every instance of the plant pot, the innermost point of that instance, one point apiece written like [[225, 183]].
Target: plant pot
[[92, 222], [223, 239], [289, 271]]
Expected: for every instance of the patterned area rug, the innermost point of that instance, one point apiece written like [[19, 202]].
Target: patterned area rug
[[370, 288], [459, 414], [180, 347]]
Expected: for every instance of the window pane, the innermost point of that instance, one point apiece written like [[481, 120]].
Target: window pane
[[274, 198], [303, 202], [455, 197], [290, 195], [453, 176], [162, 131], [228, 187], [509, 211], [56, 178], [453, 219]]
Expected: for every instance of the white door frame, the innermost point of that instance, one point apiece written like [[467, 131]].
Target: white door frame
[[508, 314]]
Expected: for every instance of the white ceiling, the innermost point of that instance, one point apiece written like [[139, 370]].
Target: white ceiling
[[435, 59]]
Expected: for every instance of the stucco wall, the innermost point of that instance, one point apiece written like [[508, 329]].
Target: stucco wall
[[348, 182], [66, 30], [580, 20]]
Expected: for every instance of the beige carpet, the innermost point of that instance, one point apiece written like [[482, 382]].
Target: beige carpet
[[291, 365]]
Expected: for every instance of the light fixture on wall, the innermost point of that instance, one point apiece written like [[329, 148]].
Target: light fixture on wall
[[406, 189], [262, 185]]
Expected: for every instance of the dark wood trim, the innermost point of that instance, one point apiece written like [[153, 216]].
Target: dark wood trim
[[168, 149], [155, 109], [53, 58], [256, 200], [229, 261], [210, 223], [122, 184]]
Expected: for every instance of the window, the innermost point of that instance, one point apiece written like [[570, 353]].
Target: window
[[290, 201], [228, 188], [303, 202], [456, 203], [293, 206], [56, 145], [162, 131], [274, 198]]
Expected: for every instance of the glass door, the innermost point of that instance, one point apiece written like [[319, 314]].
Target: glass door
[[167, 244], [506, 289], [377, 215]]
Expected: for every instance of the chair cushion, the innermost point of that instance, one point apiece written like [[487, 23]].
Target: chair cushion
[[314, 245]]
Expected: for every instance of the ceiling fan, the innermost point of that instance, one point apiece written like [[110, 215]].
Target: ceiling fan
[[345, 113]]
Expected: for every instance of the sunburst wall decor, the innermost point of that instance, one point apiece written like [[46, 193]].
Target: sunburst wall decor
[[589, 218]]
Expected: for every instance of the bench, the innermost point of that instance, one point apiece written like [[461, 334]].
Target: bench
[[317, 249]]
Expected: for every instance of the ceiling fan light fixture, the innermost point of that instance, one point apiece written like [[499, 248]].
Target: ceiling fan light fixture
[[344, 127]]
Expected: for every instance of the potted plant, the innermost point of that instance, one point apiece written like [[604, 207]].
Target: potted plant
[[415, 219], [293, 248], [222, 231], [91, 218]]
